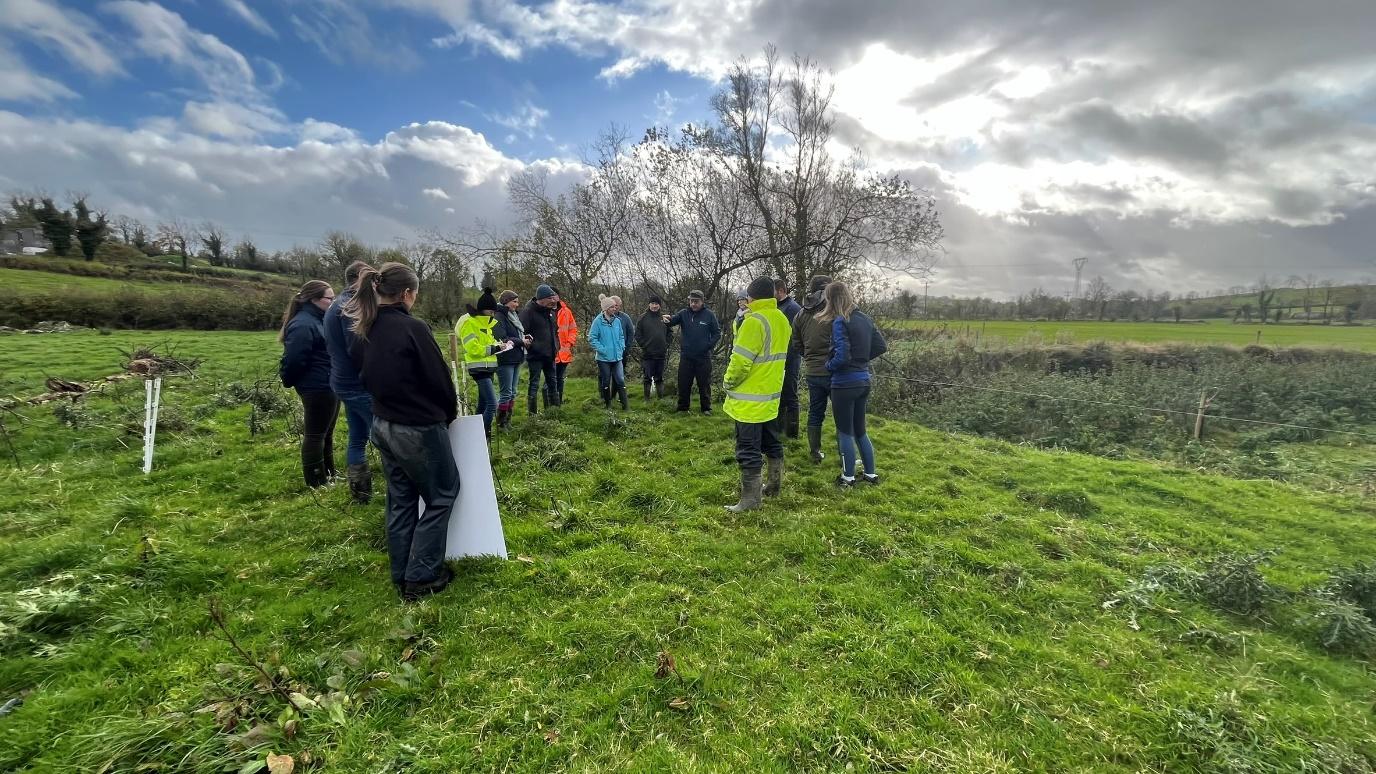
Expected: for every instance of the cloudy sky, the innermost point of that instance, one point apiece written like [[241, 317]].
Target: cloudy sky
[[1178, 145]]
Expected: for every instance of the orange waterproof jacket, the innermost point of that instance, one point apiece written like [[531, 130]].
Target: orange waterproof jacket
[[568, 333]]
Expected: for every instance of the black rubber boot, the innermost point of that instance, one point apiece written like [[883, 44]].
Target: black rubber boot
[[791, 422], [659, 390], [360, 482], [814, 444], [751, 496], [532, 405], [774, 481], [621, 393], [647, 391]]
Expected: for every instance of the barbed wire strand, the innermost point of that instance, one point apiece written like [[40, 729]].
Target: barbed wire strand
[[1045, 396]]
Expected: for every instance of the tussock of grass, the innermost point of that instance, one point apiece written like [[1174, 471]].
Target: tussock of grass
[[953, 619]]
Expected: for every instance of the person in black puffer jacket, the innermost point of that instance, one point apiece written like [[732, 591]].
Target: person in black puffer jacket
[[305, 366], [538, 318], [653, 338]]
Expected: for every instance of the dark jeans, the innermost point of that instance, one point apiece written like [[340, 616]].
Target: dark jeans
[[788, 402], [818, 390], [848, 406], [755, 441], [557, 386], [538, 368], [699, 368], [509, 376], [419, 463], [358, 412], [487, 399], [610, 375], [317, 440], [653, 369]]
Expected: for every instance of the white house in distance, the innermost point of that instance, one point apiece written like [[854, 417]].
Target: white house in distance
[[23, 240]]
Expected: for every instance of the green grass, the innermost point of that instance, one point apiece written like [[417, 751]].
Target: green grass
[[951, 620], [26, 281], [1361, 338]]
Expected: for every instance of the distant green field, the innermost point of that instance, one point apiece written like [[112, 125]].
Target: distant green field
[[25, 281], [1361, 338]]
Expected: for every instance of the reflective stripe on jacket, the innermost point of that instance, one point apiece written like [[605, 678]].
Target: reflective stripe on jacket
[[568, 334], [477, 345], [755, 375]]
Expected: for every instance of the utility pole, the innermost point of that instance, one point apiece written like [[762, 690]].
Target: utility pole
[[1079, 270], [926, 283]]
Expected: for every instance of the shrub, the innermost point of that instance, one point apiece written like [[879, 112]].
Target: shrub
[[200, 309], [1355, 585]]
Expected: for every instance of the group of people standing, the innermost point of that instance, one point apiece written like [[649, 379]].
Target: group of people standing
[[363, 350]]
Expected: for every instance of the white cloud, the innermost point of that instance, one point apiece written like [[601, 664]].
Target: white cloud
[[666, 105], [165, 36], [277, 193], [19, 84], [312, 130], [436, 193], [66, 30], [232, 120], [250, 17], [526, 119]]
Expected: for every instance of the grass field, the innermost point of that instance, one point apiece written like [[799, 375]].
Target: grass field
[[25, 281], [1361, 338], [959, 618]]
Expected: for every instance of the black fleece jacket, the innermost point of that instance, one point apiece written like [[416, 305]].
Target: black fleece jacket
[[401, 366], [542, 326]]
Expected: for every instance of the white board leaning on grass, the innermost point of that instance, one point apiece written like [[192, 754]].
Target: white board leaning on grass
[[475, 526]]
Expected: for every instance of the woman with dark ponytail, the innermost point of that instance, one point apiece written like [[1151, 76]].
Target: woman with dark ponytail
[[306, 367], [414, 402]]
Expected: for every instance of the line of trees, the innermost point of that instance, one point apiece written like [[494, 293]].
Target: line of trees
[[1307, 299]]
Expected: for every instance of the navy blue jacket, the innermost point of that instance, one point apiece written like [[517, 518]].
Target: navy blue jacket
[[627, 327], [791, 310], [339, 338], [851, 344], [701, 331], [305, 359]]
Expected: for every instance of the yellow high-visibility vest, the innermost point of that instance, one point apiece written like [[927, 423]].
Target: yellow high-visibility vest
[[755, 375], [476, 342]]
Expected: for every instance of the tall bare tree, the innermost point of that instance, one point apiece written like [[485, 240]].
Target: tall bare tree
[[176, 236]]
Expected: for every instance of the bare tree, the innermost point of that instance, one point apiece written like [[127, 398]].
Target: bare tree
[[816, 215], [1266, 296], [176, 236], [1097, 295], [906, 301], [1327, 287]]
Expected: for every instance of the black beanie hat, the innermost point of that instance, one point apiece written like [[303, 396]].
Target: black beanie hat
[[761, 287], [655, 300], [818, 283], [486, 301]]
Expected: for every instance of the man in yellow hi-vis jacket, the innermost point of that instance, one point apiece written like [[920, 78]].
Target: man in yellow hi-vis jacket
[[754, 383]]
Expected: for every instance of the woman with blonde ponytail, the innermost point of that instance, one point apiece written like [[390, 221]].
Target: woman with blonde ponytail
[[305, 367], [414, 402], [855, 341]]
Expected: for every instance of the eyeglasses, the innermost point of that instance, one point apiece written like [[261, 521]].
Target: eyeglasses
[[327, 298]]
